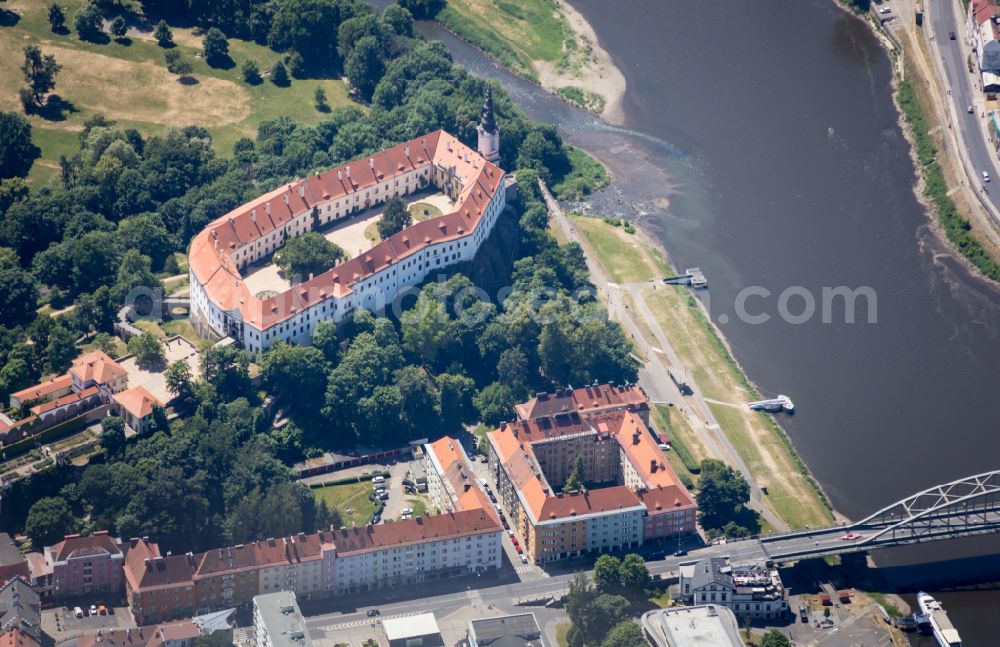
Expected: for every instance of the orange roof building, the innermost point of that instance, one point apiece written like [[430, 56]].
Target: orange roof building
[[221, 300], [638, 496], [135, 405], [451, 482]]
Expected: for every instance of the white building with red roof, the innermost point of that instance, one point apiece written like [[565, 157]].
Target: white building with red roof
[[221, 300]]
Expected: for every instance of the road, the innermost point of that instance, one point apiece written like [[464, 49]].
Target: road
[[943, 17], [653, 376]]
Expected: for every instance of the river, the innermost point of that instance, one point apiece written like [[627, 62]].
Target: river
[[762, 145]]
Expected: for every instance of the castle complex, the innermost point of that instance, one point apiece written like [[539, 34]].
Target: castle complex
[[221, 302]]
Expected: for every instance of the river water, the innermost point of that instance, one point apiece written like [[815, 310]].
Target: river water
[[762, 145]]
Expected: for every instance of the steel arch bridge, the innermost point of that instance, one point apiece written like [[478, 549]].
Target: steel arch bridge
[[960, 508]]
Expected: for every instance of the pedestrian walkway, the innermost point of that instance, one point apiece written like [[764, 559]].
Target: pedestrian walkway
[[367, 622]]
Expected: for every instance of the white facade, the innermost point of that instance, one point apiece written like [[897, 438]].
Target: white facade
[[413, 563]]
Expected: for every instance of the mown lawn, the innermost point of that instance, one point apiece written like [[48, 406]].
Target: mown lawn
[[128, 82], [625, 258], [351, 499]]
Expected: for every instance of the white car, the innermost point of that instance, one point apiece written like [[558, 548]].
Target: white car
[[93, 609], [406, 511], [510, 533], [885, 10], [78, 612], [524, 558], [986, 176]]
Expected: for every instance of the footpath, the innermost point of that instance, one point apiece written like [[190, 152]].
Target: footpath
[[654, 376]]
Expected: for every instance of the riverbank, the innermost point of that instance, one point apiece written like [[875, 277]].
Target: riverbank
[[635, 263], [546, 41], [956, 217]]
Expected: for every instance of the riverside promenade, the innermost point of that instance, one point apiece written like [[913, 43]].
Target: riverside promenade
[[654, 376]]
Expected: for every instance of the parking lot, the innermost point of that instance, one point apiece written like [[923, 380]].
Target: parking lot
[[61, 622]]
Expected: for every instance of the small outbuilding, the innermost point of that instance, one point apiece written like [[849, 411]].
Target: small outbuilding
[[413, 631]]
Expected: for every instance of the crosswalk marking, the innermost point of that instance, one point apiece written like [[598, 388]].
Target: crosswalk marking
[[367, 621], [474, 595]]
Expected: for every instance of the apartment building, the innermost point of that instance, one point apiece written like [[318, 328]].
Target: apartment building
[[78, 565], [278, 621], [451, 482], [633, 495], [418, 550]]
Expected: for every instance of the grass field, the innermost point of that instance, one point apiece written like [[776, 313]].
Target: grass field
[[128, 82], [760, 442], [351, 499], [515, 32]]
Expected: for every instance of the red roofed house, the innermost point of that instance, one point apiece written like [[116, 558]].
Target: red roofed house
[[158, 587], [221, 302], [135, 405], [79, 565]]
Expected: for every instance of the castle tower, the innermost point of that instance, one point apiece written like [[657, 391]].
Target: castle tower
[[489, 134]]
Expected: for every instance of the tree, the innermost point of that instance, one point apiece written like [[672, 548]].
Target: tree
[[119, 27], [39, 73], [399, 20], [88, 23], [135, 282], [722, 494], [574, 482], [17, 153], [148, 350], [113, 436], [216, 47], [57, 19], [364, 66], [19, 295], [625, 634], [251, 73], [307, 255], [177, 64], [60, 349], [49, 520], [296, 373], [495, 403], [104, 342], [634, 574], [164, 37], [319, 98], [425, 333], [394, 218], [423, 9], [775, 638], [279, 74], [603, 613], [607, 573], [177, 377]]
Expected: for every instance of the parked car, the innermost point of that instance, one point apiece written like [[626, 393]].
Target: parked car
[[409, 482], [93, 609], [520, 550], [969, 109], [378, 479], [510, 533], [483, 459], [524, 559], [78, 612], [680, 552], [407, 510], [951, 35], [885, 10], [986, 176], [101, 609], [372, 613]]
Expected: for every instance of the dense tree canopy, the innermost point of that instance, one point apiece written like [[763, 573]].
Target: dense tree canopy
[[49, 520], [307, 255], [722, 497]]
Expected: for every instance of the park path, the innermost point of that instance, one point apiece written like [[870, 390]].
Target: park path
[[653, 376]]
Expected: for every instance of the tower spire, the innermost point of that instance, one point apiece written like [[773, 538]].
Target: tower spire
[[489, 133]]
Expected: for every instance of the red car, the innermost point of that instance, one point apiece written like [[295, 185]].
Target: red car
[[519, 549]]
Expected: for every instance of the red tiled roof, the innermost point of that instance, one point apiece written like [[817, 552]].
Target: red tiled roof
[[137, 401], [414, 531], [67, 399], [16, 638], [211, 250], [605, 499], [588, 399], [99, 543], [45, 389], [146, 569], [460, 480], [97, 366]]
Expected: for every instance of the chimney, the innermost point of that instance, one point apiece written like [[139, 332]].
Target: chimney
[[635, 438], [267, 208], [406, 150], [253, 215], [340, 174], [302, 191], [652, 466], [371, 163], [348, 171], [285, 196]]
